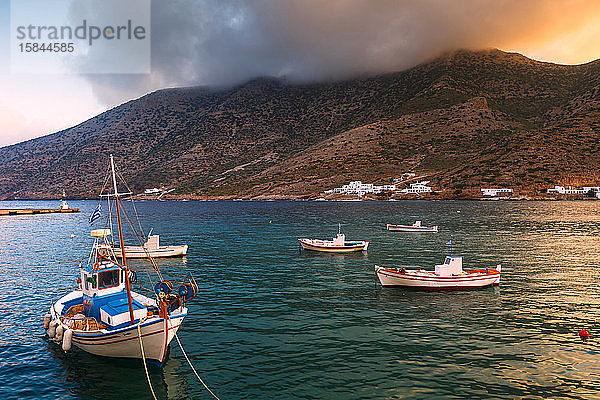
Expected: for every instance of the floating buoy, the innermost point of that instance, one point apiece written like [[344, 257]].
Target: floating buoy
[[66, 344], [52, 329], [584, 334], [47, 319], [58, 336], [72, 236]]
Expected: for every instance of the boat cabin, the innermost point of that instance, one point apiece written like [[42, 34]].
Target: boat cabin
[[153, 243], [103, 287], [451, 266], [339, 239]]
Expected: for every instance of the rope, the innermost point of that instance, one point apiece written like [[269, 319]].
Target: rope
[[144, 358], [141, 243], [193, 369]]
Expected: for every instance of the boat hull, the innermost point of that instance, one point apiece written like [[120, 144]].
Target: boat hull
[[409, 228], [163, 251], [308, 244], [391, 277], [156, 335]]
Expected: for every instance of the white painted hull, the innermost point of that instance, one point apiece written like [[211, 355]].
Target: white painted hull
[[125, 343], [325, 246], [156, 333], [409, 228], [162, 251], [419, 279]]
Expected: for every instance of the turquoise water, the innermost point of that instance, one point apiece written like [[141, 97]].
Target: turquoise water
[[271, 322]]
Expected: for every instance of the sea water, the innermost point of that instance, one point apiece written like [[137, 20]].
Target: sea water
[[273, 322]]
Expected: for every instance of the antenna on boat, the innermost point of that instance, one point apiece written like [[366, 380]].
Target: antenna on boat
[[339, 228], [450, 244], [124, 260]]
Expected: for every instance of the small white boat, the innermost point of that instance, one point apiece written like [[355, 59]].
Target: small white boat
[[153, 249], [449, 275], [416, 227], [339, 244], [63, 202]]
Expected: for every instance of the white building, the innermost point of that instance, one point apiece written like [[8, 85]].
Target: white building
[[595, 189], [405, 176], [497, 192], [569, 190], [417, 188], [357, 188]]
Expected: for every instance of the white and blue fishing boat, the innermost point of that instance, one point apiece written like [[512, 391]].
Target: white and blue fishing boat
[[103, 315]]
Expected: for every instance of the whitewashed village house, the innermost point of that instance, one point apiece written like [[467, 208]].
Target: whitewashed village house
[[497, 192], [417, 188], [357, 188]]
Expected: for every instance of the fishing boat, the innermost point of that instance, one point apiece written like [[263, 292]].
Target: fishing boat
[[104, 315], [416, 227], [339, 244], [449, 275], [152, 248]]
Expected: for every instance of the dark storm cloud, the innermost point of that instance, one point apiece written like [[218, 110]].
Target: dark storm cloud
[[224, 42]]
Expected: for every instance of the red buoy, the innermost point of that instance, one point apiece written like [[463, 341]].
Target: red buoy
[[584, 334]]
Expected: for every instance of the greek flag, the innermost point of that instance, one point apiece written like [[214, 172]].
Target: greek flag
[[96, 214]]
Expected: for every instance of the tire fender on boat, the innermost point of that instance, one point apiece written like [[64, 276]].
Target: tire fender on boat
[[47, 319], [52, 329], [67, 337], [59, 333]]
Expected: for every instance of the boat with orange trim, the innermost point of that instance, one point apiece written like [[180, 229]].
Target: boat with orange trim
[[339, 244]]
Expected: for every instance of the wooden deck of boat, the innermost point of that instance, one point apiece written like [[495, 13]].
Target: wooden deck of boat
[[29, 211]]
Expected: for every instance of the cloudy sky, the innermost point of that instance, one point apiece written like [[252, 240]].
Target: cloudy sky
[[224, 42]]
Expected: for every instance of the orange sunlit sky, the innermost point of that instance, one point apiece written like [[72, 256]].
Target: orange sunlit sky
[[223, 42]]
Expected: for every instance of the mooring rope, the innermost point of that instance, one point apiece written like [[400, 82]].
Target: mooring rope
[[144, 359], [193, 369]]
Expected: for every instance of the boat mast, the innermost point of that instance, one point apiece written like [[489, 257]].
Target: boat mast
[[127, 285]]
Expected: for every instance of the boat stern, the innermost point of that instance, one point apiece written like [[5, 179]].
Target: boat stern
[[499, 269]]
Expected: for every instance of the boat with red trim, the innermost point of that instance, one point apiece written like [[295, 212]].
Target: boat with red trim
[[449, 275], [339, 244], [104, 316], [416, 227]]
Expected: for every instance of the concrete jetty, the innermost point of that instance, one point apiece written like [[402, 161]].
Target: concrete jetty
[[29, 211]]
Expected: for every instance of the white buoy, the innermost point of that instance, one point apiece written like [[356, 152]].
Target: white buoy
[[47, 319], [72, 236], [66, 344], [52, 329], [59, 333]]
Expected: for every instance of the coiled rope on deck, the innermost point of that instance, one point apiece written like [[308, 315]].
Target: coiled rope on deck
[[144, 358]]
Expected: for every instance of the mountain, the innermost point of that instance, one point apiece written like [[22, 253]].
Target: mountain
[[465, 119]]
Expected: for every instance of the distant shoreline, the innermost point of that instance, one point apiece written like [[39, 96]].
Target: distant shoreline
[[316, 199]]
